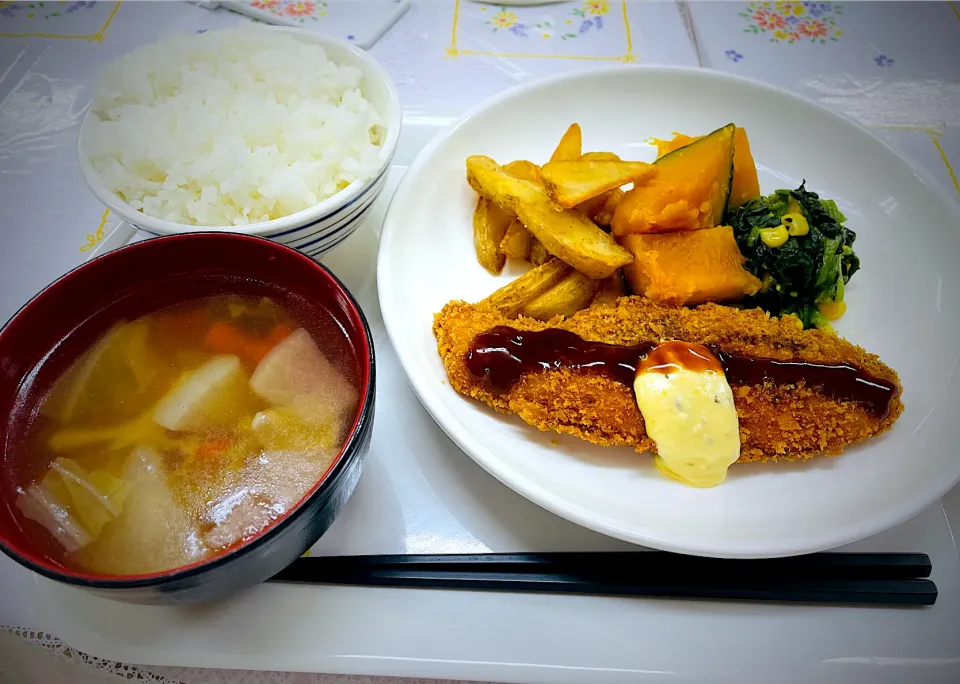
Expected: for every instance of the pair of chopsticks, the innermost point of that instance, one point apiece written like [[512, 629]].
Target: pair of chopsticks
[[838, 578]]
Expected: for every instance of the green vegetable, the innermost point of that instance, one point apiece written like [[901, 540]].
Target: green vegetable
[[805, 271]]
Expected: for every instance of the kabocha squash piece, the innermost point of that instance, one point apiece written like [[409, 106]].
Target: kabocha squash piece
[[746, 185], [689, 267], [689, 193], [665, 147]]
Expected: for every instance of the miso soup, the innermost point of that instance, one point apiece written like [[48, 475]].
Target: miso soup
[[181, 434]]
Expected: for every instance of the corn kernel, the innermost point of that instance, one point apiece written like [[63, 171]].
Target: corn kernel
[[774, 237], [796, 224], [832, 310]]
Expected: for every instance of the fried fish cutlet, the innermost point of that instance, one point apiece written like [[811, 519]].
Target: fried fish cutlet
[[777, 421]]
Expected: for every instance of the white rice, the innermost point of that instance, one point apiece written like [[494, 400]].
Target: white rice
[[231, 127]]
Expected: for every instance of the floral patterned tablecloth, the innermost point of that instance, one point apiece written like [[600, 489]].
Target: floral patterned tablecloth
[[893, 66]]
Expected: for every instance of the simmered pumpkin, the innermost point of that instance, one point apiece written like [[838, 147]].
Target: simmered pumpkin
[[746, 185], [665, 147], [689, 267], [689, 193]]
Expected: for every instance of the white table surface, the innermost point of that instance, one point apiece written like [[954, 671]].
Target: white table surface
[[893, 66]]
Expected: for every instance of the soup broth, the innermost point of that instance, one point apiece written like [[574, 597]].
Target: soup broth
[[181, 434]]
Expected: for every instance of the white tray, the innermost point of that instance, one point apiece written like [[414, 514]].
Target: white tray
[[420, 494]]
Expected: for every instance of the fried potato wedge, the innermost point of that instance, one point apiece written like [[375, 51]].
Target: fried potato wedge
[[490, 224], [573, 182], [516, 241], [490, 180], [570, 146], [565, 233], [521, 242], [599, 156], [605, 216], [524, 170], [566, 298], [538, 253], [571, 236], [600, 209], [611, 289], [516, 294]]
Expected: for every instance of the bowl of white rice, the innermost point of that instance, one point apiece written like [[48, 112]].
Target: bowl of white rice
[[270, 131]]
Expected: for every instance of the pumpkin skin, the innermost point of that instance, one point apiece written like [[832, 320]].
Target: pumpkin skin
[[746, 185], [689, 267], [690, 191]]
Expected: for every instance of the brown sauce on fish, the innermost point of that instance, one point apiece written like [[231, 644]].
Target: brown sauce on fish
[[503, 355]]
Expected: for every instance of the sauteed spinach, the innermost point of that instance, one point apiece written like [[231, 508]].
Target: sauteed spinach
[[804, 271]]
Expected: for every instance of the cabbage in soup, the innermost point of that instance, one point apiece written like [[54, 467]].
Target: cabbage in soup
[[184, 433]]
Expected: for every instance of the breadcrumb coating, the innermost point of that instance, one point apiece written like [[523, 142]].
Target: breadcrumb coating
[[777, 422]]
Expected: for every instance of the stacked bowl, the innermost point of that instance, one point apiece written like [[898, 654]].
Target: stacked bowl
[[315, 229]]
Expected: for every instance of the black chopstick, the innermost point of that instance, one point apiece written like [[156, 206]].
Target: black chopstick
[[855, 579], [653, 564]]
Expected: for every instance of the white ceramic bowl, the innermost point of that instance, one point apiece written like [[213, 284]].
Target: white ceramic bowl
[[901, 307], [321, 227]]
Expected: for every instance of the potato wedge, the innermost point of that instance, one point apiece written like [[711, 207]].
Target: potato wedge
[[515, 295], [570, 146], [571, 236], [611, 289], [596, 208], [599, 156], [490, 224], [565, 233], [516, 241], [490, 180], [538, 253], [524, 170], [604, 217], [573, 182], [566, 298]]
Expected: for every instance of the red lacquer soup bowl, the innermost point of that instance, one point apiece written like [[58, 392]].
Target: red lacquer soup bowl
[[52, 330]]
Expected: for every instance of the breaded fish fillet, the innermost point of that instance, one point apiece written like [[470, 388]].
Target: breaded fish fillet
[[777, 422]]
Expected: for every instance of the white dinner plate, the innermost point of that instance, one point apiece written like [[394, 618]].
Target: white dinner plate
[[901, 305]]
